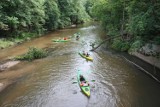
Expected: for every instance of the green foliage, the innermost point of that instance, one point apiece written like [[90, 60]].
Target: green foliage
[[125, 46], [134, 18], [117, 44], [37, 16], [12, 22], [120, 45], [23, 14], [88, 6], [5, 43], [72, 12], [137, 44], [21, 18], [33, 53], [52, 12]]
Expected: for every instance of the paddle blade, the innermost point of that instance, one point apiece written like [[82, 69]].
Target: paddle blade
[[74, 82], [93, 80]]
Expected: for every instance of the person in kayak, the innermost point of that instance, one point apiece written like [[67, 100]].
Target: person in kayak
[[84, 53], [65, 38], [77, 37], [82, 78], [87, 55], [83, 81]]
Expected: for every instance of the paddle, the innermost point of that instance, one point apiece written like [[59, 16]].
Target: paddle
[[87, 81], [80, 71], [74, 82], [93, 80]]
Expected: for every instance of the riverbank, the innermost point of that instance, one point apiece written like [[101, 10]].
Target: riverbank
[[11, 70], [149, 53], [149, 59], [8, 42]]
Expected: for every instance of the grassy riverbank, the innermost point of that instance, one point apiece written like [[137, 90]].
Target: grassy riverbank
[[10, 41]]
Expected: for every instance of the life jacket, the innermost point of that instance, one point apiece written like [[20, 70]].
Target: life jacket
[[65, 38]]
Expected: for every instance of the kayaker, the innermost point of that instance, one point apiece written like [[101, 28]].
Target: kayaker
[[83, 81], [87, 55], [82, 78], [77, 37], [65, 38], [84, 53]]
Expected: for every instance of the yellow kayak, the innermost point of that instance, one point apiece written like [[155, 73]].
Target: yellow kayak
[[88, 58]]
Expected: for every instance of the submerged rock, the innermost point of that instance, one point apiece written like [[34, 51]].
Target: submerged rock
[[8, 65], [1, 86]]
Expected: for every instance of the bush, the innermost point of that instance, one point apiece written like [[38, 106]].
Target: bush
[[33, 53], [116, 44], [137, 44], [125, 46], [5, 43], [120, 45]]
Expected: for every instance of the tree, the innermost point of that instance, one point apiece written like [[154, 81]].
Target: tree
[[53, 14]]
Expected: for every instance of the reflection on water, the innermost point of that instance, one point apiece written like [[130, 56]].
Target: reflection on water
[[49, 82]]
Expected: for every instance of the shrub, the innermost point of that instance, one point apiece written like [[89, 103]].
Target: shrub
[[137, 44], [125, 46], [33, 53], [5, 43], [116, 44]]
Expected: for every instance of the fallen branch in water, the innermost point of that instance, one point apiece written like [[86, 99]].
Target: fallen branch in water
[[103, 42]]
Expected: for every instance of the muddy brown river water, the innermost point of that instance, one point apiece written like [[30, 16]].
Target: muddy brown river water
[[51, 82]]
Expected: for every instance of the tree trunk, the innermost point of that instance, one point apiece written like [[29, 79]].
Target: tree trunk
[[123, 20]]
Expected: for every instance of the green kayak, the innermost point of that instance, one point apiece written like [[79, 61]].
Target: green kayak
[[60, 40], [86, 88]]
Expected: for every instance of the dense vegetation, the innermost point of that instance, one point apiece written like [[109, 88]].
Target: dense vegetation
[[22, 19], [137, 22], [33, 53]]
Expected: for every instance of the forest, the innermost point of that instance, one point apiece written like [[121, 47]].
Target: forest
[[135, 22]]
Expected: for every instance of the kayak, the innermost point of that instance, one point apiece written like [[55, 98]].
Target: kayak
[[85, 89], [88, 58], [77, 38], [60, 40]]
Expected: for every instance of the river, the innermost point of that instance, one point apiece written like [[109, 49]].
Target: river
[[51, 81]]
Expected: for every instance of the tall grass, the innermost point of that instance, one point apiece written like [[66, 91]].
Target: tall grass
[[5, 43]]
